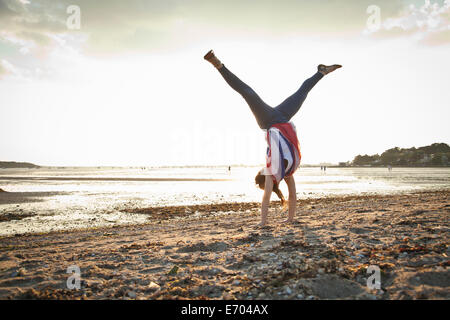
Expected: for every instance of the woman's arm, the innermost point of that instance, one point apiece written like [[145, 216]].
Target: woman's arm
[[292, 198], [268, 187]]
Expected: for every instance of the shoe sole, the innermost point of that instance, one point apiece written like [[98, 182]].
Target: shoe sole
[[208, 55]]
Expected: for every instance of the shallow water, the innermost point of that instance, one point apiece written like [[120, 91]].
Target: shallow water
[[64, 198]]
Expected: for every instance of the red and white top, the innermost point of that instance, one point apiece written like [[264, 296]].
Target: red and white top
[[282, 144]]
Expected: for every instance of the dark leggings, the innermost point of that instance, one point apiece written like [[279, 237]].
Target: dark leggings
[[265, 115]]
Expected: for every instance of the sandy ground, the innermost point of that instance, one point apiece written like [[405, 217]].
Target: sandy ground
[[215, 252]]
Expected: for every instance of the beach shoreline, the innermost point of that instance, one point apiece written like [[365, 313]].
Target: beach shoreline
[[215, 252], [72, 199]]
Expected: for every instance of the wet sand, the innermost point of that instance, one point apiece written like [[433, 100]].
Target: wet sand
[[77, 178], [215, 252]]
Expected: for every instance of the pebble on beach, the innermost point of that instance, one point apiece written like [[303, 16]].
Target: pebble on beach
[[324, 256]]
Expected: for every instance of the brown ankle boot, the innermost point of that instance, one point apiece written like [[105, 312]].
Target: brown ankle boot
[[210, 56], [327, 69]]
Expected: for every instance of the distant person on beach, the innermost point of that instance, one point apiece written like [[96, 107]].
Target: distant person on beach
[[283, 151]]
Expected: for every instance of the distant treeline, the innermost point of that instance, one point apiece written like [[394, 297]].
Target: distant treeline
[[11, 164], [437, 154]]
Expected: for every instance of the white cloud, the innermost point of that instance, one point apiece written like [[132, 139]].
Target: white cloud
[[428, 23], [24, 46], [428, 17], [7, 69]]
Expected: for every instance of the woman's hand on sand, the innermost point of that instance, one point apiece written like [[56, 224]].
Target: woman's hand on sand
[[261, 225], [288, 221]]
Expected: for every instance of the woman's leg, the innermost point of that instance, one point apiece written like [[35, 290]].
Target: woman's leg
[[291, 105], [264, 114]]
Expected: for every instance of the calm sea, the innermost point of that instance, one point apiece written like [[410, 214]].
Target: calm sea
[[65, 198]]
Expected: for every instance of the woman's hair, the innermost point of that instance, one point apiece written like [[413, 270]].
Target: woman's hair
[[260, 180]]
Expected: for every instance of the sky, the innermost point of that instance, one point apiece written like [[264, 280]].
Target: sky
[[109, 82]]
